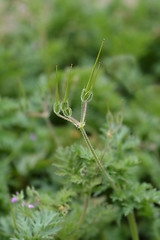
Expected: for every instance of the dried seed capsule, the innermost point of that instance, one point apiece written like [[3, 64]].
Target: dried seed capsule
[[86, 96], [57, 108], [67, 112], [64, 105]]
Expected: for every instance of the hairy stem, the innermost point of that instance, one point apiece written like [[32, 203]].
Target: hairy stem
[[97, 160], [133, 226], [82, 109], [84, 113]]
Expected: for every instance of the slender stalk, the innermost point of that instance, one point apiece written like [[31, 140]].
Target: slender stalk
[[65, 98], [56, 83], [65, 118], [74, 121], [70, 119], [133, 226], [89, 81], [13, 217], [84, 211], [84, 113], [82, 107], [97, 160], [95, 76]]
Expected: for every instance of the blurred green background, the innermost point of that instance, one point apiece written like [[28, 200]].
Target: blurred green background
[[37, 35]]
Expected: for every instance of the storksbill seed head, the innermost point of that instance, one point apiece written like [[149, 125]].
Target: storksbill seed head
[[57, 108], [64, 105], [86, 96], [67, 112]]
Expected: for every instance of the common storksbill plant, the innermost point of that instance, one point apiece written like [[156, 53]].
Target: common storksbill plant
[[63, 110]]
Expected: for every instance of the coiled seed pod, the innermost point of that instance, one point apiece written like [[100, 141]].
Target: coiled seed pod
[[67, 112], [64, 105], [57, 108], [86, 96]]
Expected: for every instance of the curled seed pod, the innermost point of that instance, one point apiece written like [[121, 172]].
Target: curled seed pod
[[119, 118], [109, 118], [67, 112], [57, 108], [64, 105], [86, 96]]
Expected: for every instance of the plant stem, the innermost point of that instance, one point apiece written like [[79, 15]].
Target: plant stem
[[82, 106], [95, 76], [84, 113], [97, 160], [84, 211], [56, 83], [133, 226], [13, 217], [65, 98], [131, 218], [89, 81]]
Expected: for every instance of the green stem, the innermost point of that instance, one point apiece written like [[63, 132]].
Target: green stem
[[97, 160], [95, 76], [133, 226], [74, 121], [61, 116], [131, 218], [82, 107], [13, 217], [56, 83], [84, 211]]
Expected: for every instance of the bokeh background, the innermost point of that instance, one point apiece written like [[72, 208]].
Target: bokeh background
[[37, 35]]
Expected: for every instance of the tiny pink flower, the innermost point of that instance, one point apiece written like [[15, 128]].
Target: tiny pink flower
[[30, 206], [13, 199]]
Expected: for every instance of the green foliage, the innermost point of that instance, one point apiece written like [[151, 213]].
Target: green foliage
[[37, 225], [39, 149], [78, 167]]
